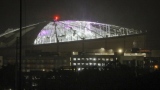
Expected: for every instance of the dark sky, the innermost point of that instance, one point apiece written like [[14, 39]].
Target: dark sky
[[137, 14]]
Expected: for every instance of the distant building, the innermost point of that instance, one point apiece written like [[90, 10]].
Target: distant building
[[93, 61], [51, 45]]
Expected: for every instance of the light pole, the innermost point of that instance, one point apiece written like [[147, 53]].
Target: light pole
[[55, 28], [55, 24]]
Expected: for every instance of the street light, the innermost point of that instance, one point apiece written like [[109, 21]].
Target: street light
[[156, 67], [120, 50]]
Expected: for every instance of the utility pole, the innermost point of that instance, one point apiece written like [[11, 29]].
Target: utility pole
[[20, 48], [16, 64]]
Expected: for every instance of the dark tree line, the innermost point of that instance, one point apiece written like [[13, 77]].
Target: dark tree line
[[121, 77]]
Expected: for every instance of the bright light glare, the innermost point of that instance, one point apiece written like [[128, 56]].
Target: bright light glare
[[56, 18], [120, 50], [78, 30], [155, 66], [102, 49], [79, 69]]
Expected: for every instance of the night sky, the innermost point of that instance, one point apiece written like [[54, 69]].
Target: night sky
[[137, 14]]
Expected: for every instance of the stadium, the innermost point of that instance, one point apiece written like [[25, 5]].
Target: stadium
[[50, 45]]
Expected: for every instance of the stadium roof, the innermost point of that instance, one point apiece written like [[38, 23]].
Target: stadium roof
[[63, 31]]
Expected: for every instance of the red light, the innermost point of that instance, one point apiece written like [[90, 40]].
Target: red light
[[56, 18]]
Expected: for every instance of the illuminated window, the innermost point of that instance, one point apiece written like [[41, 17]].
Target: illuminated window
[[107, 59], [78, 64], [43, 69], [79, 69], [82, 63], [87, 59], [103, 64], [90, 64], [90, 58], [99, 58], [82, 59], [111, 59], [94, 64], [94, 59], [86, 64], [74, 59], [103, 59], [99, 64], [78, 59], [74, 64], [34, 84]]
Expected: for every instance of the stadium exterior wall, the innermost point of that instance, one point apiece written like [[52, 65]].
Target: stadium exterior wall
[[44, 57]]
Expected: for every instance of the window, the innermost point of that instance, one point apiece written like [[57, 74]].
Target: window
[[78, 63], [79, 69], [74, 59], [94, 59], [103, 59], [103, 64], [74, 64], [90, 64], [82, 58], [87, 59], [111, 59], [99, 64], [107, 59], [82, 63]]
